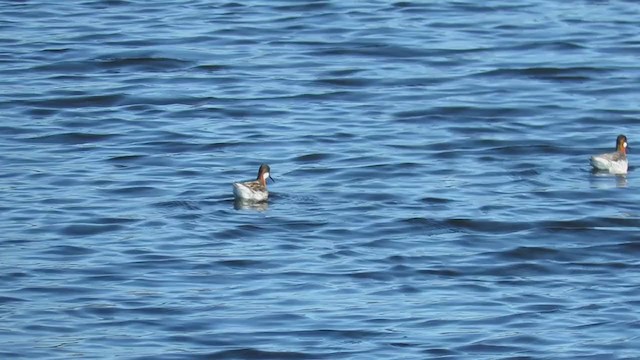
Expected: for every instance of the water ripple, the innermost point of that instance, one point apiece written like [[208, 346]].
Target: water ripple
[[433, 196]]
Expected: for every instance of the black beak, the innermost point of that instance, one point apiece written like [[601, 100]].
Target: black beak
[[271, 178]]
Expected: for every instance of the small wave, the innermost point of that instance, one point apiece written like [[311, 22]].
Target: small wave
[[68, 250], [549, 73], [71, 138], [74, 102], [141, 63], [314, 157], [88, 229], [488, 226]]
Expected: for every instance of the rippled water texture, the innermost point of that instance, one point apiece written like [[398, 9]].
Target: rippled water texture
[[433, 197]]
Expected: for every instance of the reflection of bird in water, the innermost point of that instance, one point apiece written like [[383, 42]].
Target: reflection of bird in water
[[250, 205]]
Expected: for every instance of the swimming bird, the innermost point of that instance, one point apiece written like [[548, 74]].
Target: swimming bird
[[613, 162], [255, 190]]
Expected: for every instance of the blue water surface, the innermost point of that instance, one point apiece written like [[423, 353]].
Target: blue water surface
[[433, 195]]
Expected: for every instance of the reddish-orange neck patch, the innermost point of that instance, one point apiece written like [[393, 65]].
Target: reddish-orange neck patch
[[622, 148]]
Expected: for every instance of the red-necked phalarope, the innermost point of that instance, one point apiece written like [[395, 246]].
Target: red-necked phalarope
[[255, 190], [614, 162]]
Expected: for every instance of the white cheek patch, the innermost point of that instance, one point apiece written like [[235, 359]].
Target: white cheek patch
[[624, 144], [266, 175]]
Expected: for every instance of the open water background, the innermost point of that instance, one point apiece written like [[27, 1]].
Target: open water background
[[433, 198]]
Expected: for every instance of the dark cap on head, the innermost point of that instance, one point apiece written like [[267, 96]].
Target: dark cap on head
[[621, 143]]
